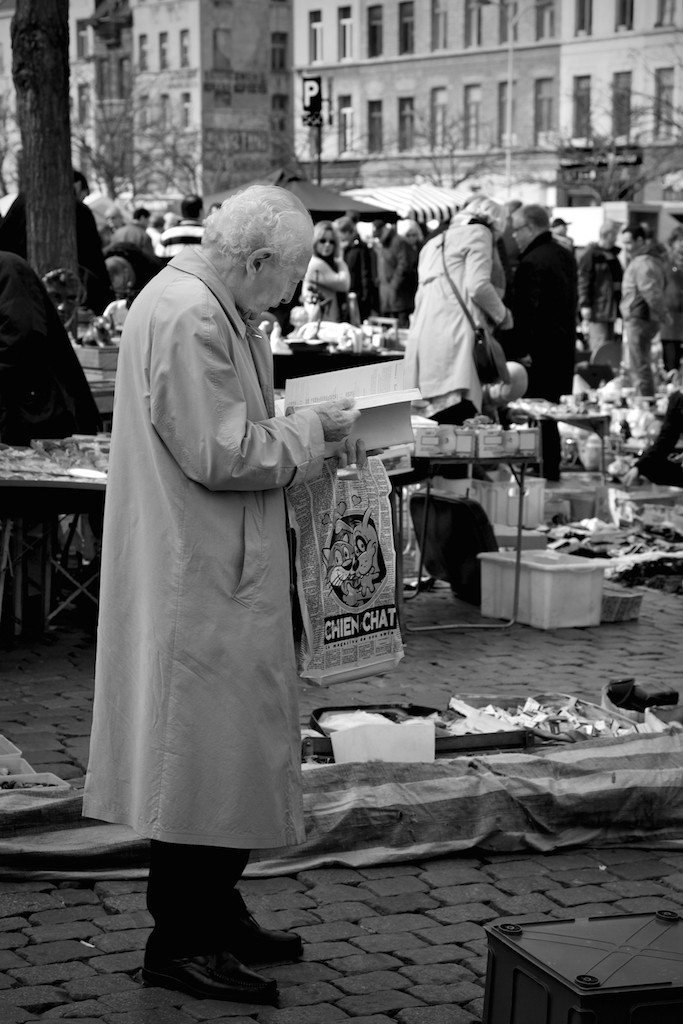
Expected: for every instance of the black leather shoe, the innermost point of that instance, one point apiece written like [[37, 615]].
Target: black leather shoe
[[210, 976], [253, 944]]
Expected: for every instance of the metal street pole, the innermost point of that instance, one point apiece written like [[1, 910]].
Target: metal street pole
[[508, 100]]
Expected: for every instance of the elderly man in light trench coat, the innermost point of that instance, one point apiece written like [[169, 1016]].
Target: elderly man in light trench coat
[[196, 741]]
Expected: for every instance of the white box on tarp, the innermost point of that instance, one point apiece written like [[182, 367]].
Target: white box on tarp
[[394, 743], [500, 500], [556, 591]]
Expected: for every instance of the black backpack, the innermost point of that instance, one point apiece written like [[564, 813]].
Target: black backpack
[[457, 530]]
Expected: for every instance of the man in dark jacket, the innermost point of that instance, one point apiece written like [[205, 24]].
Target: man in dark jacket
[[43, 390], [397, 271], [600, 275], [544, 310], [358, 259]]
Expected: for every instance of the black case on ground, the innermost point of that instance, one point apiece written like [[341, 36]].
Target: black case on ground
[[458, 529]]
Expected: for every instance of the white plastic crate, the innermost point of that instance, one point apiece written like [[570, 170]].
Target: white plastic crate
[[556, 591], [8, 749], [500, 500]]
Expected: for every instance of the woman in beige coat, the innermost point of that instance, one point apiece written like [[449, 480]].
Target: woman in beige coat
[[439, 356], [196, 739]]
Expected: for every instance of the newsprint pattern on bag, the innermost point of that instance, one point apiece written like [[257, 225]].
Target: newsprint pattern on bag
[[346, 575]]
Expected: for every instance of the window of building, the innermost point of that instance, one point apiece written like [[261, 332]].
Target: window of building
[[544, 110], [83, 101], [545, 20], [406, 27], [222, 49], [279, 108], [439, 25], [472, 110], [621, 103], [624, 14], [507, 16], [502, 133], [165, 110], [143, 53], [375, 141], [315, 37], [82, 49], [185, 48], [438, 117], [344, 33], [344, 124], [375, 26], [406, 123], [582, 107], [472, 23], [584, 17], [664, 95], [143, 111], [278, 51], [125, 79], [185, 110], [163, 51], [665, 13]]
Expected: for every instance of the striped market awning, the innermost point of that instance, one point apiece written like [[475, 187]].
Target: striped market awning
[[419, 202]]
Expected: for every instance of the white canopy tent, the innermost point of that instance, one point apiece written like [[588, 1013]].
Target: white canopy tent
[[422, 202]]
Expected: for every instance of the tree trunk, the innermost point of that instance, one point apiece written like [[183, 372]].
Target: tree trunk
[[40, 69]]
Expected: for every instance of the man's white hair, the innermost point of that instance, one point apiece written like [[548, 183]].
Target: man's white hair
[[259, 217]]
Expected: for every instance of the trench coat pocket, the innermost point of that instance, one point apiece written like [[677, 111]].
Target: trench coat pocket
[[251, 539]]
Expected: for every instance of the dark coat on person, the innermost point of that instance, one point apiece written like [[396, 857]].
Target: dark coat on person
[[358, 258], [43, 390], [397, 272], [661, 463], [600, 274], [91, 268], [544, 299]]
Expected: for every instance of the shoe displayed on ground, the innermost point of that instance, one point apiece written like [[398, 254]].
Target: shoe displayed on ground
[[210, 976], [252, 944]]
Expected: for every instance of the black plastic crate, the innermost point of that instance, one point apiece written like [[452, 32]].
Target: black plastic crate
[[626, 969]]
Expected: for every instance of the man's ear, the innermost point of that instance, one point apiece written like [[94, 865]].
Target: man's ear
[[257, 258]]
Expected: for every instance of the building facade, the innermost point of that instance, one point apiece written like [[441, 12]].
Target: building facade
[[557, 101], [564, 102]]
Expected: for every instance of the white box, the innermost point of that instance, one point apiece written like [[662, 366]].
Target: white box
[[427, 440], [489, 444], [529, 440], [500, 500], [390, 742], [456, 440], [556, 591]]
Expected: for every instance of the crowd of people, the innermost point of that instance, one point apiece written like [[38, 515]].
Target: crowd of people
[[522, 278]]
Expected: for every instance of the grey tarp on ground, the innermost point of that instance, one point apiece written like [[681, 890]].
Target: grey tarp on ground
[[597, 793]]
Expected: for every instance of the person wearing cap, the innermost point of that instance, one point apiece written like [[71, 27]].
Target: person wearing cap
[[599, 282], [558, 229]]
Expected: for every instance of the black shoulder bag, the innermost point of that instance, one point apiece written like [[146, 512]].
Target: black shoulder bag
[[489, 357]]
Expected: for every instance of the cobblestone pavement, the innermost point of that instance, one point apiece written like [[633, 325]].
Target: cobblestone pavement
[[397, 943]]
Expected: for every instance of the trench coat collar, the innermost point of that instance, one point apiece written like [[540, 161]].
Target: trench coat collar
[[193, 260]]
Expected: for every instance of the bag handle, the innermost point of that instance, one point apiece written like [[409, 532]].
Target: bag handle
[[454, 287]]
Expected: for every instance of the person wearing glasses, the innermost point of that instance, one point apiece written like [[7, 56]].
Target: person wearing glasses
[[544, 304], [327, 279]]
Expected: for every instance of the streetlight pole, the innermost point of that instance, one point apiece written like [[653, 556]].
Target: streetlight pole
[[512, 14]]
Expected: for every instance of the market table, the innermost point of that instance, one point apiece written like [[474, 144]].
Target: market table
[[41, 502]]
